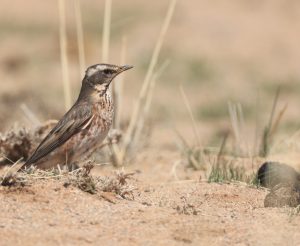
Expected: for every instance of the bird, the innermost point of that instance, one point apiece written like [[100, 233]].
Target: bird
[[83, 128]]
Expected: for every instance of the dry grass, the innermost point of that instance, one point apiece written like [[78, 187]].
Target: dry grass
[[106, 30], [271, 127], [193, 154], [118, 88], [63, 54], [117, 184], [80, 38], [123, 152], [241, 143], [30, 116], [144, 93], [223, 165]]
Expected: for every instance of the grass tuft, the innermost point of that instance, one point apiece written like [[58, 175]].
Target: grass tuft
[[217, 166], [63, 53], [271, 128], [226, 173]]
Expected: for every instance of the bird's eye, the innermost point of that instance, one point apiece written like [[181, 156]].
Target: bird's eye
[[108, 71]]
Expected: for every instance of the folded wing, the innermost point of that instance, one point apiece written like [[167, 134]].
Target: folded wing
[[79, 117]]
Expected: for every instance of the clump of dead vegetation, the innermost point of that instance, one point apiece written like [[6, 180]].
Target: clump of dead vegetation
[[117, 184], [80, 178], [187, 207], [18, 143], [228, 162], [15, 144]]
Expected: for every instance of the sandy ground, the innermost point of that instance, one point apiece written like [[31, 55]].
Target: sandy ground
[[174, 213]]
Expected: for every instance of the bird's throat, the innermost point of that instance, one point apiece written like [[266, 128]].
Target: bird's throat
[[93, 92]]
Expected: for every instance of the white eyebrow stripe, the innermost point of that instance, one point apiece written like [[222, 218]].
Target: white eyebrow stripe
[[91, 71], [101, 67]]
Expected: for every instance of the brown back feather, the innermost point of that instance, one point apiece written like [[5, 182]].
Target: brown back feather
[[71, 123]]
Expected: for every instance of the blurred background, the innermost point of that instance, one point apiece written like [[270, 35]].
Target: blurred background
[[222, 51]]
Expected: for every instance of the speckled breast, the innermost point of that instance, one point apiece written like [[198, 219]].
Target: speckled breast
[[82, 145]]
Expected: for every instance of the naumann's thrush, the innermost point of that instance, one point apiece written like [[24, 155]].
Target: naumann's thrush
[[83, 128]]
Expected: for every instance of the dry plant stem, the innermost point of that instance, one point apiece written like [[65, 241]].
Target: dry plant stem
[[235, 125], [118, 87], [188, 107], [195, 163], [257, 127], [277, 121], [152, 85], [173, 170], [140, 103], [116, 155], [12, 170], [238, 126], [117, 96], [11, 161], [265, 143], [242, 127], [222, 148], [106, 30], [115, 149], [276, 124], [183, 142], [80, 38], [63, 53], [273, 109], [147, 104], [30, 115]]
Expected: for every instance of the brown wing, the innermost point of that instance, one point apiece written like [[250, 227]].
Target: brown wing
[[77, 118]]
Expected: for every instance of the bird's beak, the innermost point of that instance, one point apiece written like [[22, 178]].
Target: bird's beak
[[124, 68], [121, 69]]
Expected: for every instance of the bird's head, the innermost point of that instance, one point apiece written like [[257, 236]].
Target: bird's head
[[99, 76]]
